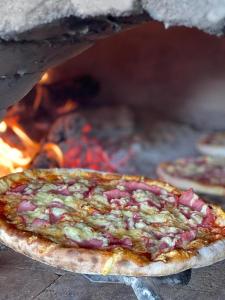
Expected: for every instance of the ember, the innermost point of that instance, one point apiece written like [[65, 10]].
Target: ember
[[88, 152], [81, 146]]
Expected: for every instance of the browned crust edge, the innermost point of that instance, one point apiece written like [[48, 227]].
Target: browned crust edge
[[211, 149], [97, 261]]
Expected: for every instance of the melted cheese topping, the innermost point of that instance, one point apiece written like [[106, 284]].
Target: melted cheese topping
[[134, 216]]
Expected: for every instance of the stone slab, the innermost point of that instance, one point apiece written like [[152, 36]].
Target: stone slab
[[24, 279]]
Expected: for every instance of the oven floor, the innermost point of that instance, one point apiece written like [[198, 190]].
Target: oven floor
[[22, 278]]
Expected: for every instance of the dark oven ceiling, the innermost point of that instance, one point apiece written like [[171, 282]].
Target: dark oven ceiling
[[43, 34]]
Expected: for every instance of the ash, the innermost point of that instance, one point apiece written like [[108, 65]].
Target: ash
[[117, 139], [208, 15]]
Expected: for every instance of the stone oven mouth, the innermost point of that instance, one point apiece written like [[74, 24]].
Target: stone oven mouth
[[59, 123], [130, 101], [121, 106]]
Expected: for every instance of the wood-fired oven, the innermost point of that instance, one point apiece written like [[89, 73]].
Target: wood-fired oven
[[116, 86]]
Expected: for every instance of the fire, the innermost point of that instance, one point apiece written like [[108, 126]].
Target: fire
[[86, 149], [67, 107], [44, 78], [33, 147], [3, 126], [55, 151], [12, 159]]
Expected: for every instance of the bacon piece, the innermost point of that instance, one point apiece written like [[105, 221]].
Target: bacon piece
[[53, 217], [163, 246], [125, 243], [23, 219], [186, 237], [158, 235], [115, 242], [91, 244], [153, 203], [116, 202], [133, 202], [186, 197], [116, 194], [148, 242], [40, 223], [134, 185], [209, 218], [64, 192], [189, 198], [71, 182], [19, 188], [90, 191], [155, 189], [136, 217], [187, 214], [57, 204], [25, 206]]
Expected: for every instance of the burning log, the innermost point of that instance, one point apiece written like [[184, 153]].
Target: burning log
[[16, 158], [89, 140]]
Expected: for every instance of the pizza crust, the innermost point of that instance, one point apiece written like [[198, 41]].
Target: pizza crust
[[182, 183], [88, 261], [85, 261], [210, 149]]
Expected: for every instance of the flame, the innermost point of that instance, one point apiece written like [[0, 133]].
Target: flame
[[67, 107], [56, 151], [44, 78], [12, 159], [25, 138], [3, 126]]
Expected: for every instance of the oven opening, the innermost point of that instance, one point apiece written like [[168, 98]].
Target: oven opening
[[124, 105]]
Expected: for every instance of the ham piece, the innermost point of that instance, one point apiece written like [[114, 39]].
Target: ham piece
[[116, 194], [134, 185], [63, 192], [186, 237], [189, 198], [40, 223], [25, 206], [19, 188], [91, 244]]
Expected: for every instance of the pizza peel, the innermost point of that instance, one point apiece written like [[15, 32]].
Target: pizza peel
[[144, 287]]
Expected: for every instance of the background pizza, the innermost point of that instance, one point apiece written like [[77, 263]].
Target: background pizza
[[205, 174], [212, 144]]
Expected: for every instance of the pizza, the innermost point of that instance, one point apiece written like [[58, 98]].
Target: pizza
[[101, 223], [212, 144], [206, 174]]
